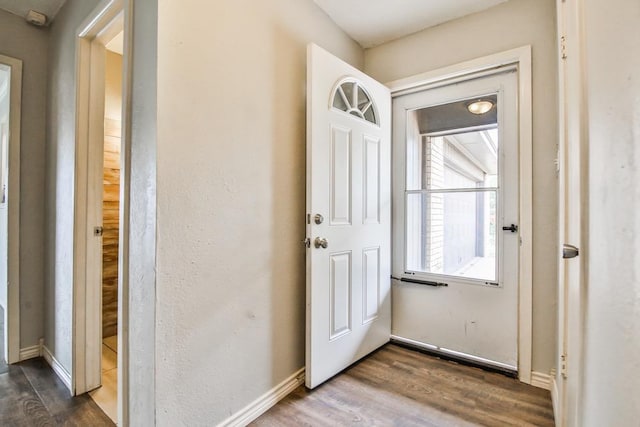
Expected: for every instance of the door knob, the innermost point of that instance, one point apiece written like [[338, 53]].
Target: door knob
[[569, 251], [320, 243]]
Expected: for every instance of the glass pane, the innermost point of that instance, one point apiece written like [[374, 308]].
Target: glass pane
[[348, 88], [452, 234], [464, 160], [338, 101], [363, 99], [370, 115]]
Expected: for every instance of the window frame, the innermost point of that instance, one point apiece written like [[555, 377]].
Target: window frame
[[429, 277]]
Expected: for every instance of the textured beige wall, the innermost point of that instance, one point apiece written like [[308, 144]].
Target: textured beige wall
[[509, 25], [611, 384], [29, 44], [231, 200]]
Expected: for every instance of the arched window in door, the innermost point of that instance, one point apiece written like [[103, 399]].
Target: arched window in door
[[351, 97]]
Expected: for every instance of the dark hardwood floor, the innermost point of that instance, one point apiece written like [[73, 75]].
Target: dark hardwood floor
[[31, 395], [396, 386]]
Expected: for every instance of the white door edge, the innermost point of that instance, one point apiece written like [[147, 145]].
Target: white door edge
[[487, 65], [12, 315]]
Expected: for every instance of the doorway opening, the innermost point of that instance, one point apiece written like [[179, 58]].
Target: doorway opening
[[461, 213], [100, 352], [457, 273], [107, 395], [488, 185]]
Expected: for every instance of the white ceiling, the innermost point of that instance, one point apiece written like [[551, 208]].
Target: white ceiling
[[373, 22], [21, 7]]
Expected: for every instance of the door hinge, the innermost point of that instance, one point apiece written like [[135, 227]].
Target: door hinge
[[98, 231], [563, 365], [563, 47]]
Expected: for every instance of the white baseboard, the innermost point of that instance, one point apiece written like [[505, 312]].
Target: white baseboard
[[57, 368], [30, 352], [541, 380], [264, 402]]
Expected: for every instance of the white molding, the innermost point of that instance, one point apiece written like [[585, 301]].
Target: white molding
[[521, 57], [30, 352], [12, 315], [57, 367], [554, 400], [525, 312], [265, 402], [123, 392], [450, 74], [540, 380]]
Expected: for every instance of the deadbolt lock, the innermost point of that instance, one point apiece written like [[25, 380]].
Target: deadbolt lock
[[98, 231], [318, 219]]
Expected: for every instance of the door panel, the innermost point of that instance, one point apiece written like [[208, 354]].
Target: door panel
[[340, 274], [349, 219], [457, 188], [371, 180], [340, 176], [371, 287]]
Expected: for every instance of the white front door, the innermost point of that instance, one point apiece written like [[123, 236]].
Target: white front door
[[348, 215], [456, 240]]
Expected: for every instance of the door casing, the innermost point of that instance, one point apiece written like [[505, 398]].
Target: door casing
[[12, 340], [521, 58], [572, 213]]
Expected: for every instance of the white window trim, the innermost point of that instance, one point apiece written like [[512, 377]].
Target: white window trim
[[488, 65]]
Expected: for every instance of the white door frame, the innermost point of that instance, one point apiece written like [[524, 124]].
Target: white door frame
[[106, 20], [572, 212], [12, 326], [520, 57]]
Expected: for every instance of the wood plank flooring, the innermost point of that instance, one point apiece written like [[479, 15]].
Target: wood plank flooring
[[396, 386], [31, 395], [106, 396]]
